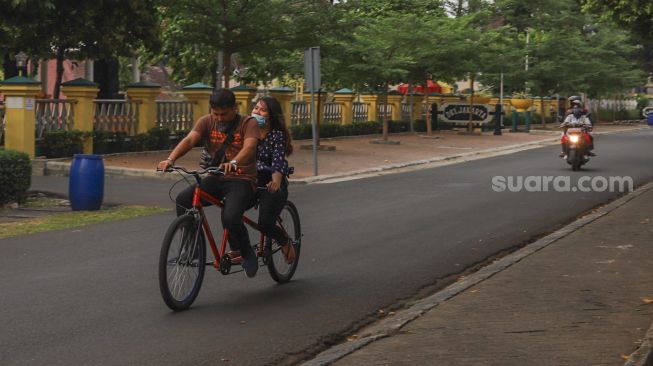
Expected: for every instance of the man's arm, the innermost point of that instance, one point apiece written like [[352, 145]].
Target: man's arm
[[181, 149], [249, 149]]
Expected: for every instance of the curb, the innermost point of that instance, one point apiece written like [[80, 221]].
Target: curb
[[643, 356]]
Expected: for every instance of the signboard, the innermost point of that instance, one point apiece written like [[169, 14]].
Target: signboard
[[647, 111], [29, 104], [312, 68], [14, 102], [459, 113]]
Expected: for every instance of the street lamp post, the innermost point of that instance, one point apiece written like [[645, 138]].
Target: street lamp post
[[21, 58]]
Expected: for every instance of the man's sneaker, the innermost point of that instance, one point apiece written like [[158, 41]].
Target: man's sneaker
[[591, 154], [562, 155], [250, 264]]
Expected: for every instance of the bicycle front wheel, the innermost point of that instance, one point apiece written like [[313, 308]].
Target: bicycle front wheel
[[182, 262], [279, 269]]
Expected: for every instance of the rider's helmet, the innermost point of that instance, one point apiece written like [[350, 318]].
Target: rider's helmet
[[573, 97], [576, 104]]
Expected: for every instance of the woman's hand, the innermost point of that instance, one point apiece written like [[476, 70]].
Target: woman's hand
[[275, 183], [273, 186]]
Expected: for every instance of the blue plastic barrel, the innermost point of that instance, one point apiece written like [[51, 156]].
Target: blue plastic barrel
[[86, 184], [649, 119]]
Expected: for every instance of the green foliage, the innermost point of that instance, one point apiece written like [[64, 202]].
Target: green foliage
[[642, 101], [636, 16], [157, 138], [59, 144], [305, 131], [15, 176], [107, 142], [609, 115], [78, 29], [257, 34]]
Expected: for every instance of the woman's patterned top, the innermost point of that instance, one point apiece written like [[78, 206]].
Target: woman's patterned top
[[271, 157]]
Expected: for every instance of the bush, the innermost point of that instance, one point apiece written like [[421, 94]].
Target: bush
[[136, 142], [305, 131], [157, 138], [15, 176], [59, 144], [107, 142]]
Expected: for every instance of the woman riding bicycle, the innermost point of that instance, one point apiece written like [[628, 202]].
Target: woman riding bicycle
[[272, 167]]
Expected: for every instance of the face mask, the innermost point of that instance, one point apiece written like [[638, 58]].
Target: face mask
[[260, 119]]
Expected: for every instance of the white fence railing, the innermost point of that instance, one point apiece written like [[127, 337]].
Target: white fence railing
[[383, 109], [176, 115], [300, 113], [360, 112], [116, 115], [332, 112]]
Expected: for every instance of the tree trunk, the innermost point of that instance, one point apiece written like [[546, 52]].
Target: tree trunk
[[226, 70], [410, 103], [57, 80], [214, 77], [9, 67], [318, 109], [105, 73], [427, 117], [385, 114], [470, 126], [542, 117]]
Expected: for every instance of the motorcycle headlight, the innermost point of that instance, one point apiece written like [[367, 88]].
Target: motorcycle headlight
[[573, 138]]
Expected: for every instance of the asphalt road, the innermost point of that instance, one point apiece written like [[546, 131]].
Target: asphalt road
[[90, 296]]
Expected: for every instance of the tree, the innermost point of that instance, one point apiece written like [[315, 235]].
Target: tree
[[202, 38], [635, 16], [556, 48], [379, 53], [68, 29]]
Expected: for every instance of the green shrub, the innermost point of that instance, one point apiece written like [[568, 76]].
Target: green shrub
[[15, 176], [107, 142], [136, 142], [305, 131], [157, 138], [178, 136], [420, 125], [59, 144]]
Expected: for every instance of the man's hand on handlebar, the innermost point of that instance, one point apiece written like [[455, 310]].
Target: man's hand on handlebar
[[229, 167], [164, 165]]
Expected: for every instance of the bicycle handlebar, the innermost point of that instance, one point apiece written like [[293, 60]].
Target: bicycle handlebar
[[172, 168]]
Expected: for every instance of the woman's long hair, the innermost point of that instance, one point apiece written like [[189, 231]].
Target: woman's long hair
[[277, 122]]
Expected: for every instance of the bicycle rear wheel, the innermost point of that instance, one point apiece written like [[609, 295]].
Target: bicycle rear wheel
[[281, 271], [182, 262]]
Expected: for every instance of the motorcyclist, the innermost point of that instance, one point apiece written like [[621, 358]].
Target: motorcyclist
[[575, 101], [576, 118]]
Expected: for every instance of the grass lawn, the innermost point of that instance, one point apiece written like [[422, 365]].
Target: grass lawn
[[72, 219]]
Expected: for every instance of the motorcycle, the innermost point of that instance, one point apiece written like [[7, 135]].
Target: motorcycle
[[577, 142]]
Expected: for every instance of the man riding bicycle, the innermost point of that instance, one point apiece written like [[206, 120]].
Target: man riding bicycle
[[230, 140]]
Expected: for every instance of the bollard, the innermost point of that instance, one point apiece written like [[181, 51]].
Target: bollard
[[497, 119]]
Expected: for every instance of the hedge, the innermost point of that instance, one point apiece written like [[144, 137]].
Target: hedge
[[15, 176], [60, 144]]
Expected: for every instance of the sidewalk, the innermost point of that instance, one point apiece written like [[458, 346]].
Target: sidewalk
[[356, 155], [584, 298]]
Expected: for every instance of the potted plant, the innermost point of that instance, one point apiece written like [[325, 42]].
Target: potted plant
[[521, 100], [483, 96]]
